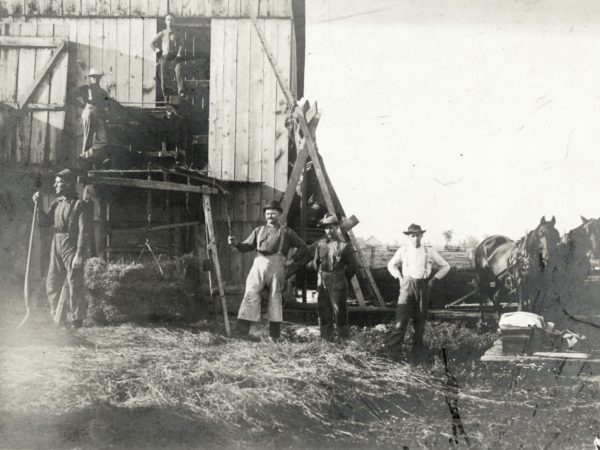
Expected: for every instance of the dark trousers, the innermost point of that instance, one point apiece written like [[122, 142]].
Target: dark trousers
[[168, 65], [62, 253], [413, 303], [333, 290]]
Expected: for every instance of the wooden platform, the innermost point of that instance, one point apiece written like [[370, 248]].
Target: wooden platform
[[494, 354]]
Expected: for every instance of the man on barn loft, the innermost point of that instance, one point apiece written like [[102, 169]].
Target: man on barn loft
[[68, 216], [272, 243], [168, 45], [95, 102], [412, 265], [334, 263]]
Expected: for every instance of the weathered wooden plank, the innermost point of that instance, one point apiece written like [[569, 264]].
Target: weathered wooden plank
[[294, 68], [119, 7], [214, 254], [236, 275], [233, 8], [229, 100], [255, 124], [283, 8], [242, 118], [56, 119], [29, 41], [284, 42], [269, 119], [70, 7], [96, 44], [109, 56], [149, 63], [9, 61], [136, 55], [88, 7], [25, 78], [39, 119], [138, 9], [218, 8], [217, 43], [151, 184], [122, 68], [103, 7]]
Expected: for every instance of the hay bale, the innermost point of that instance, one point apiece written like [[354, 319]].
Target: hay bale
[[120, 292]]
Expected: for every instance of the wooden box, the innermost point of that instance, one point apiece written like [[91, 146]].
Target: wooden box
[[523, 340]]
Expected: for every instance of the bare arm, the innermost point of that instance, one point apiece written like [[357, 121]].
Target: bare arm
[[444, 267]]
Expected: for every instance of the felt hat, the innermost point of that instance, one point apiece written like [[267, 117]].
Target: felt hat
[[414, 229], [273, 204], [95, 73], [66, 174], [329, 219]]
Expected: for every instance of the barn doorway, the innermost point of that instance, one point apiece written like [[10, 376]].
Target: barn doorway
[[196, 73]]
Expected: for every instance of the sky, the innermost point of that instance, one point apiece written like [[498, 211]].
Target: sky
[[475, 116]]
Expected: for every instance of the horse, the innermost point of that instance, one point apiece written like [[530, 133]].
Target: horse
[[503, 265], [573, 263]]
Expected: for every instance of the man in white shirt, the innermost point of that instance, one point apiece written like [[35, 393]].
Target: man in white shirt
[[412, 266]]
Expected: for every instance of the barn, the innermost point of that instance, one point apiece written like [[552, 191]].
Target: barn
[[234, 137]]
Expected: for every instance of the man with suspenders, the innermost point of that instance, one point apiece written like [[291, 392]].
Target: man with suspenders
[[334, 263], [68, 215], [272, 243], [412, 266]]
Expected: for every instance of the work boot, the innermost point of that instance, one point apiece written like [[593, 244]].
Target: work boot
[[275, 331], [242, 331]]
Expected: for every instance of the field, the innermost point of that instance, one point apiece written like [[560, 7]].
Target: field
[[159, 386]]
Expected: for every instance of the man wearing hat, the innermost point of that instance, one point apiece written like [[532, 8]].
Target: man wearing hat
[[95, 101], [68, 216], [412, 266], [334, 263], [272, 243]]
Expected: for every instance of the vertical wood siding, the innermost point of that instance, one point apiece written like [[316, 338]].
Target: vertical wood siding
[[149, 8], [248, 140]]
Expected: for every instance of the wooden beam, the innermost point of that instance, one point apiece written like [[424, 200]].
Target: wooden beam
[[169, 226], [290, 190], [214, 255], [42, 74], [151, 184], [289, 96], [45, 107], [29, 42]]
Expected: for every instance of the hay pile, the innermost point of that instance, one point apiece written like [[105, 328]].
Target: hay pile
[[121, 292]]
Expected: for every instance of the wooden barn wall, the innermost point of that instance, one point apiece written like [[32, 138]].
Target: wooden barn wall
[[146, 8], [248, 139], [118, 46], [34, 137]]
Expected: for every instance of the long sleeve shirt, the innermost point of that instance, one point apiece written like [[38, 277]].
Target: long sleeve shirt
[[169, 42], [92, 94], [417, 263], [266, 240], [332, 255], [67, 215]]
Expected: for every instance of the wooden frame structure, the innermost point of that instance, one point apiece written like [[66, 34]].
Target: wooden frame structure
[[306, 120], [130, 179]]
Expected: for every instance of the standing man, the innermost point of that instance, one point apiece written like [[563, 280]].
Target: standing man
[[412, 266], [335, 265], [68, 216], [168, 45], [95, 101], [272, 242]]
